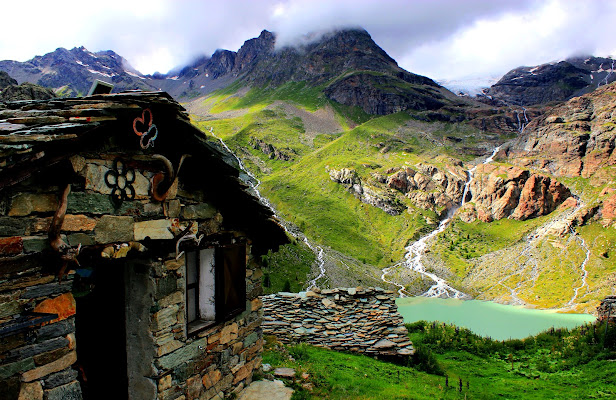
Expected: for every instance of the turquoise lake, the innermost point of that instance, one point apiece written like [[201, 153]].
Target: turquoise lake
[[487, 318]]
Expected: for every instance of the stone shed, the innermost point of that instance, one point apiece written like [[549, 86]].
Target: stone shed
[[360, 320], [129, 253]]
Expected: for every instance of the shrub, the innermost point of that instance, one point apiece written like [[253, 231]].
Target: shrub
[[424, 360]]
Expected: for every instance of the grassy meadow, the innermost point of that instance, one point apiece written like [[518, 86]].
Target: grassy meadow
[[454, 363]]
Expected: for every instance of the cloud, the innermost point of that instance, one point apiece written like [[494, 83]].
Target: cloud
[[437, 38], [397, 24], [553, 31]]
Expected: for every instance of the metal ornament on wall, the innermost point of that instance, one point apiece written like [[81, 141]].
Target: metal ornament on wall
[[120, 179], [145, 128]]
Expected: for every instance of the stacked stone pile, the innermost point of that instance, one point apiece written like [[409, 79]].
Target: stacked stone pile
[[361, 320], [604, 309]]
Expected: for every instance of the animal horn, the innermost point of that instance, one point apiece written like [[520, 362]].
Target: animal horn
[[162, 182], [58, 219]]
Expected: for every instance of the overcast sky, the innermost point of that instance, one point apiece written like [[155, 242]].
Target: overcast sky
[[442, 39]]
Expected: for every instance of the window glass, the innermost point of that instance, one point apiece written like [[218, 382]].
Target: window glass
[[207, 284]]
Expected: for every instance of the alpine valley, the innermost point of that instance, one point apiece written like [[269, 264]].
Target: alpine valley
[[361, 159]]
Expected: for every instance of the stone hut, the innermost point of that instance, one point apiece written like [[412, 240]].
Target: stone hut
[[129, 251]]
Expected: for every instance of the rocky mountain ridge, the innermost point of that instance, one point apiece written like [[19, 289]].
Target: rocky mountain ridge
[[72, 72], [551, 82], [347, 65]]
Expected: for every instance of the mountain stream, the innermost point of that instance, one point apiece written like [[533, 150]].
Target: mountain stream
[[416, 250], [254, 184]]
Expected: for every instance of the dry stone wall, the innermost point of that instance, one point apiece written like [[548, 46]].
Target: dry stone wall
[[607, 309], [361, 320], [37, 364]]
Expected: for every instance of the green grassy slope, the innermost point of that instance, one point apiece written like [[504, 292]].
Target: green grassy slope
[[562, 364], [480, 258]]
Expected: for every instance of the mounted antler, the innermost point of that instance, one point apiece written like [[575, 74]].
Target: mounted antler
[[67, 253], [162, 182]]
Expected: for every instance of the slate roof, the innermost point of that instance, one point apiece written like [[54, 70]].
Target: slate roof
[[29, 127], [37, 134]]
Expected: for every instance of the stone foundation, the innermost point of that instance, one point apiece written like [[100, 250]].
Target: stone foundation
[[359, 320]]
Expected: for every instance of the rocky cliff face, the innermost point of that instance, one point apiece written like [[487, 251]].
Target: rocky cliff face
[[495, 192], [384, 94], [576, 138], [552, 82], [510, 192]]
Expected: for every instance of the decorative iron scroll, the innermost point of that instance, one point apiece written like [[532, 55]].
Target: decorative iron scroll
[[120, 179], [145, 128]]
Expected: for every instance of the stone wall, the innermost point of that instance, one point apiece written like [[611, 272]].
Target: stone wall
[[36, 363], [164, 360], [361, 320], [214, 362]]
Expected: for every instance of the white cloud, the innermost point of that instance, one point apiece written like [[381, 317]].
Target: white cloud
[[552, 32], [437, 38]]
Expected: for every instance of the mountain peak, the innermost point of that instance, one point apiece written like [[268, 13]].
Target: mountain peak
[[555, 81]]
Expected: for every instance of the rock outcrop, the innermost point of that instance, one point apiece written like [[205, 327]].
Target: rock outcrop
[[607, 309], [6, 80], [576, 138], [361, 320], [378, 197], [511, 192], [426, 186], [270, 150], [26, 91]]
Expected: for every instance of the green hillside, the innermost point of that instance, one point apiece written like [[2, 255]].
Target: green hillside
[[301, 188], [454, 363], [293, 138]]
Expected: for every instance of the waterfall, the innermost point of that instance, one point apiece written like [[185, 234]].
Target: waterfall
[[416, 250]]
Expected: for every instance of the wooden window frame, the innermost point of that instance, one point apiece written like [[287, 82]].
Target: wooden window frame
[[226, 257]]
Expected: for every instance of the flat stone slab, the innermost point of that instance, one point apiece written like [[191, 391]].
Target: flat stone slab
[[284, 372], [270, 390]]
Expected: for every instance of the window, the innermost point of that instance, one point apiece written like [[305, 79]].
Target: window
[[215, 285]]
